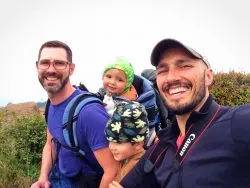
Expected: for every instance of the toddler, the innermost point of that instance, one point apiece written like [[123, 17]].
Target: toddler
[[126, 131]]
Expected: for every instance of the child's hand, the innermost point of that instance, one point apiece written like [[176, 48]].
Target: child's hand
[[115, 184]]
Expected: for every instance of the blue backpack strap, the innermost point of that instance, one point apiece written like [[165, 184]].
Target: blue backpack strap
[[70, 117], [81, 87]]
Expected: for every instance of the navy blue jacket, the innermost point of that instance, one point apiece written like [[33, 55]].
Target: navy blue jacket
[[220, 158]]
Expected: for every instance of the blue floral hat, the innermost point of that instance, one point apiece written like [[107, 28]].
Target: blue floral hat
[[129, 123]]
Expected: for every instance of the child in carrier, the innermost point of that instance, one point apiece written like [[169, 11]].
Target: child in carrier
[[117, 81], [121, 84], [126, 131]]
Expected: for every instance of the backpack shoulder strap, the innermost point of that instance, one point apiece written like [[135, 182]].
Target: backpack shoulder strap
[[47, 110], [70, 117]]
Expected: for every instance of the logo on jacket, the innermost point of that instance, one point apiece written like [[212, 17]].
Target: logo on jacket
[[187, 143]]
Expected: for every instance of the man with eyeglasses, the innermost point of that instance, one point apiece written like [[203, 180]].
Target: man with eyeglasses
[[61, 167]]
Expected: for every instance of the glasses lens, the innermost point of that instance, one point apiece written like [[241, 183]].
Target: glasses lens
[[58, 64], [43, 64]]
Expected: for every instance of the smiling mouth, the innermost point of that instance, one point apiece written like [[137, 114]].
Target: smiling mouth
[[115, 154], [177, 90], [177, 87], [111, 88], [49, 78]]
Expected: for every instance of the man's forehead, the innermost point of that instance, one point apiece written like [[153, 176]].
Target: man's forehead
[[52, 52], [176, 56]]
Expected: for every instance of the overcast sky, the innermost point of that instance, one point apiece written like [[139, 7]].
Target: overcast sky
[[99, 30]]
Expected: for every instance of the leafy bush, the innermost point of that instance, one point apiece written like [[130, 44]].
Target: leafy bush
[[231, 88], [21, 146]]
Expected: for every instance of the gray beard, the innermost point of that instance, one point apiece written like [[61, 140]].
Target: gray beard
[[56, 89]]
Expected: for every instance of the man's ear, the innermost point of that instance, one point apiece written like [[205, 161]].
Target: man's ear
[[209, 77], [71, 68]]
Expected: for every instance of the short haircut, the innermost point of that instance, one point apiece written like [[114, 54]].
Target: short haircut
[[57, 44]]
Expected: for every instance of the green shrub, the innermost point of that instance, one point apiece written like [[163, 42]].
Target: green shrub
[[20, 150], [231, 88]]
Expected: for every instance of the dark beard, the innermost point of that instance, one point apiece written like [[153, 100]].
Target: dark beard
[[189, 107]]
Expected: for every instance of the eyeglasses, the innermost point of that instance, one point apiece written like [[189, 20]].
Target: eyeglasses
[[57, 64]]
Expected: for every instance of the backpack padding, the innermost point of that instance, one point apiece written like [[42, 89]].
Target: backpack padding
[[142, 84], [146, 85], [148, 95], [71, 114], [81, 87], [86, 101], [138, 84], [148, 99]]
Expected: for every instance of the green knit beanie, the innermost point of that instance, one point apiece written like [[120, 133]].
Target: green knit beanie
[[122, 64]]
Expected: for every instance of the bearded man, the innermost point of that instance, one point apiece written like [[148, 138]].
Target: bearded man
[[62, 167], [208, 146]]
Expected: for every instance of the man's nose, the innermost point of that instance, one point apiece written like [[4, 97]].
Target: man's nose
[[51, 67], [172, 74]]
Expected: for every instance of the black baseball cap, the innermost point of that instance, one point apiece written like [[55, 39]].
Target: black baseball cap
[[166, 44]]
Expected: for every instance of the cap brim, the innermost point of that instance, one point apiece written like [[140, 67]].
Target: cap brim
[[166, 44]]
